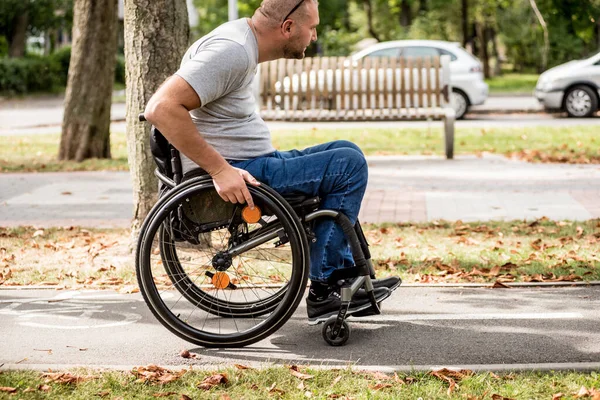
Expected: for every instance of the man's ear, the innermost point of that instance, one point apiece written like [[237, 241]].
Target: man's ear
[[286, 28]]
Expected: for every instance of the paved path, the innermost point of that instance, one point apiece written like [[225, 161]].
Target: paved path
[[401, 189], [421, 328]]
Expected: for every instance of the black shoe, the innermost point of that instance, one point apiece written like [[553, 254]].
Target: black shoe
[[321, 310], [391, 282]]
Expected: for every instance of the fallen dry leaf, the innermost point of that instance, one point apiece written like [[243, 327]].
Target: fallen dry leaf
[[240, 366], [499, 285], [296, 372], [7, 389], [103, 394], [185, 397], [165, 394], [65, 377], [498, 397], [44, 388], [273, 389], [380, 385], [187, 354], [155, 374], [213, 380], [336, 380], [557, 396]]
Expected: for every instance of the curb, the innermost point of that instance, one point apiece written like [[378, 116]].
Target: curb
[[389, 369], [403, 285]]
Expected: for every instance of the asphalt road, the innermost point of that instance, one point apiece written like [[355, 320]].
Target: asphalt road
[[421, 328]]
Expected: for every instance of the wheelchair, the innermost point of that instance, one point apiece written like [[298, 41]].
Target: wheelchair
[[219, 274]]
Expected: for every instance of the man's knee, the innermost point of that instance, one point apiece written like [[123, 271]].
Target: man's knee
[[345, 144], [354, 163]]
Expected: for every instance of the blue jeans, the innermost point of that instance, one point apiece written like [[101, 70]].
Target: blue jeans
[[337, 172]]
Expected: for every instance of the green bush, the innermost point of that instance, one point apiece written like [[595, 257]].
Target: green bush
[[30, 74], [42, 74]]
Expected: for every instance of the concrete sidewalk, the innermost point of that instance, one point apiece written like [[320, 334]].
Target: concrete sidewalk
[[401, 189]]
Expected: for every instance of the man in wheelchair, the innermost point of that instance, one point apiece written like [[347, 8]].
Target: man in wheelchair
[[208, 112]]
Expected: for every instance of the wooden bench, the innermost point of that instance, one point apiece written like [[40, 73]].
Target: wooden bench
[[337, 88]]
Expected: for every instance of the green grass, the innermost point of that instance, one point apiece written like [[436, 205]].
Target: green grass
[[279, 383], [512, 83], [579, 144], [39, 153], [514, 251], [437, 252]]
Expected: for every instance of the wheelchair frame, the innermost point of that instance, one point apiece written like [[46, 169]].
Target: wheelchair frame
[[336, 330]]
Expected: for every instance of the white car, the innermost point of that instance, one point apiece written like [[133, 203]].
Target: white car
[[466, 72], [466, 77], [573, 87]]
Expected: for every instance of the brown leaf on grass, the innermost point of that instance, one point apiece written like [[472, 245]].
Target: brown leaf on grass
[[296, 372], [273, 389], [185, 397], [380, 386], [453, 374], [65, 377], [557, 396], [499, 397], [242, 367], [154, 374], [380, 376], [44, 388], [39, 232], [165, 394], [213, 380], [102, 394], [225, 397], [7, 389]]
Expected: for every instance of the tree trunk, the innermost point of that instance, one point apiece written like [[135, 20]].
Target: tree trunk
[[156, 37], [369, 10], [86, 122], [18, 35], [423, 6], [405, 14], [542, 22], [465, 22], [483, 48], [496, 52]]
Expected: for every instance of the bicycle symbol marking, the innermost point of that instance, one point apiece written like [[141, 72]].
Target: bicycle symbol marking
[[70, 310]]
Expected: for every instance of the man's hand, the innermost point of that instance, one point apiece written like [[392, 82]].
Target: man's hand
[[230, 183]]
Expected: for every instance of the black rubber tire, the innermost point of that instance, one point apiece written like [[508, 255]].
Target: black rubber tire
[[343, 336], [585, 91], [280, 306]]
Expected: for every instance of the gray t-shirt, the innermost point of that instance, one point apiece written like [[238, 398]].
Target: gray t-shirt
[[220, 67]]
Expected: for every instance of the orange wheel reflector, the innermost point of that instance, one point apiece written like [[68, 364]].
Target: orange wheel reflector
[[251, 216], [220, 280]]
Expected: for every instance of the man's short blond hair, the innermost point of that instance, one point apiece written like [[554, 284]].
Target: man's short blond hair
[[276, 10]]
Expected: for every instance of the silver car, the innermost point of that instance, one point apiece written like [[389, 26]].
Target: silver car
[[573, 87], [466, 72]]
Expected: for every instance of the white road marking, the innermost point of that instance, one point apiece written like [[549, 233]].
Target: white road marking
[[475, 317]]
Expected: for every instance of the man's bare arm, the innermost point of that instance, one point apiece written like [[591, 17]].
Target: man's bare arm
[[168, 110]]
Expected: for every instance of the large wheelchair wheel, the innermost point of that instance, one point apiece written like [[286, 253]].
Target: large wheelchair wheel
[[214, 279]]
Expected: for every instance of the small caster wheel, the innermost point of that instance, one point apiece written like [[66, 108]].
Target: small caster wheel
[[328, 333]]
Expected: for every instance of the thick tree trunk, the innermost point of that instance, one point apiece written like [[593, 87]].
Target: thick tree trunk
[[465, 22], [86, 122], [405, 14], [369, 10], [156, 37], [18, 35], [483, 48]]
